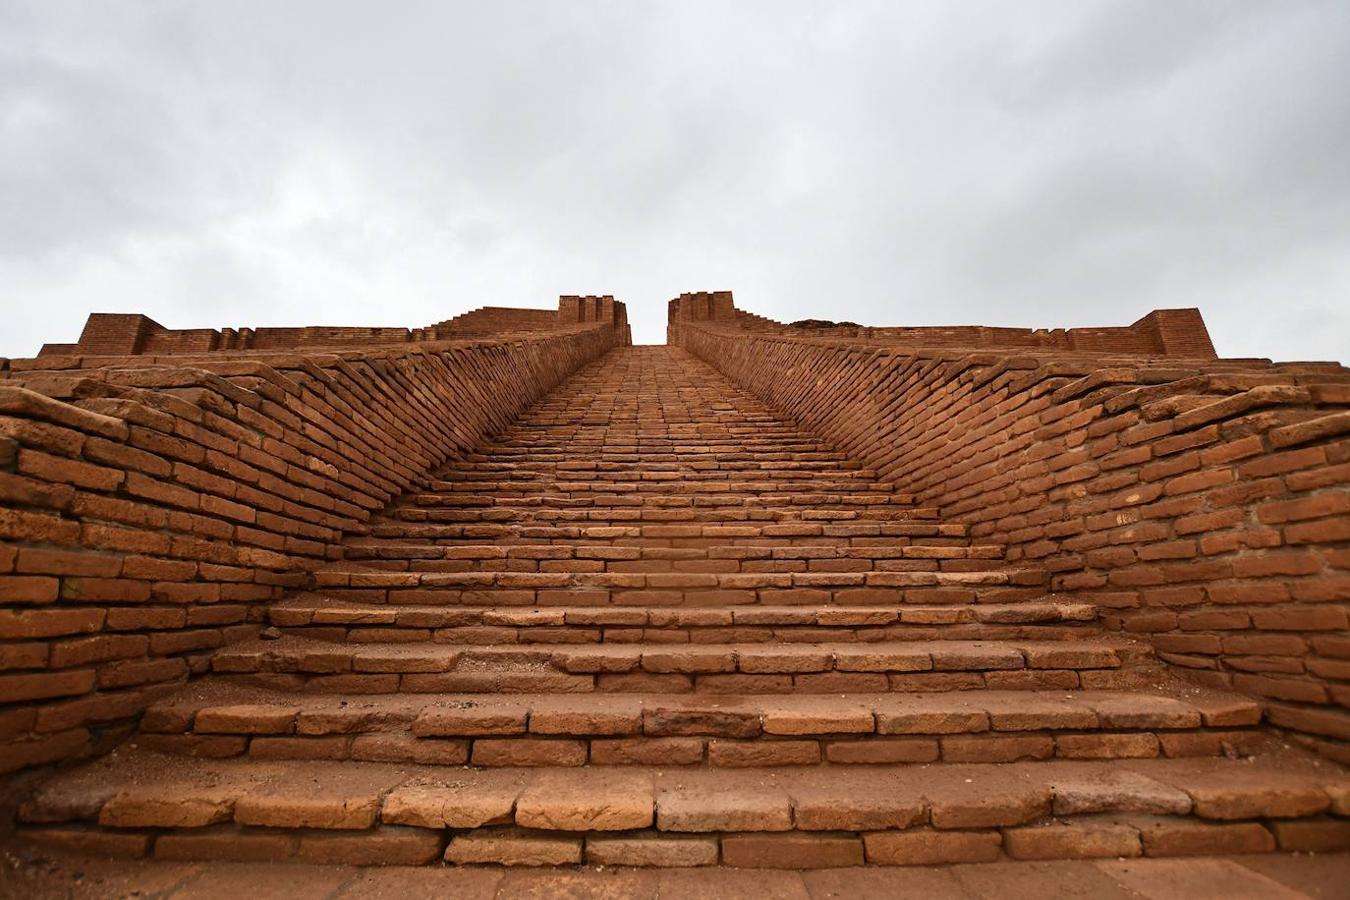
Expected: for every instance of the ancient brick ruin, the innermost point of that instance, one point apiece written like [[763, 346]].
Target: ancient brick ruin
[[507, 589]]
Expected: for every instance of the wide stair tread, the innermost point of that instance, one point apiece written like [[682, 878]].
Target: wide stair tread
[[222, 720], [308, 665], [327, 618], [396, 812]]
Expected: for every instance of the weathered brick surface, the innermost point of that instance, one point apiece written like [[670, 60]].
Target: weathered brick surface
[[650, 621]]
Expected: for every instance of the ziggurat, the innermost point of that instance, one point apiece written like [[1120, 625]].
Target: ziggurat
[[507, 589]]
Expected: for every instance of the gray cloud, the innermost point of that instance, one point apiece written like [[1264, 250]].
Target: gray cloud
[[1040, 163]]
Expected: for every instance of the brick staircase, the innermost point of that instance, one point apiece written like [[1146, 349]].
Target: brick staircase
[[652, 624]]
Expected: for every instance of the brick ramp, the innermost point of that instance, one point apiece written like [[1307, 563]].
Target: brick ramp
[[650, 624]]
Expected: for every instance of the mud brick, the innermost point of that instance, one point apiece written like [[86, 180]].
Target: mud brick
[[925, 847], [1106, 746], [1313, 835], [647, 752], [194, 745], [1095, 840], [719, 806], [865, 659], [666, 851], [761, 660], [513, 848], [1190, 838], [822, 719], [791, 851], [302, 806], [762, 753], [621, 718], [997, 801], [269, 747], [178, 806], [852, 804], [83, 651], [483, 801], [225, 843], [29, 588], [528, 752], [644, 682], [384, 846], [744, 684], [692, 660], [997, 748], [596, 800], [44, 685], [672, 721], [882, 751], [86, 842]]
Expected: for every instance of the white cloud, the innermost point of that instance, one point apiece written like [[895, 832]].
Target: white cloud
[[1040, 164]]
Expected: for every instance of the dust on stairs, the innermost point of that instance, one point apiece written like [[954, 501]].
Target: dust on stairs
[[653, 624]]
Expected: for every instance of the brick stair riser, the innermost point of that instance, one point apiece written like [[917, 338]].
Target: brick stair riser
[[706, 598], [527, 682], [621, 500], [567, 562], [889, 534], [686, 486], [923, 558], [621, 515], [705, 751], [341, 576], [471, 635], [1112, 838], [384, 814]]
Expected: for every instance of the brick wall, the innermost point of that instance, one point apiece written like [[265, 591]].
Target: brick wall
[[150, 505], [1163, 332], [1202, 503]]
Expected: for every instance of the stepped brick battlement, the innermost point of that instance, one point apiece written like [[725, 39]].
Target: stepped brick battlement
[[1163, 332], [510, 590], [132, 334]]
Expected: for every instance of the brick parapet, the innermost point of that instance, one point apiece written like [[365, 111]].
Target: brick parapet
[[134, 334], [1163, 332], [1202, 503], [149, 506]]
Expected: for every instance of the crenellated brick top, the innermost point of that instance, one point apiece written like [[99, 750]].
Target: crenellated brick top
[[1163, 332], [134, 334]]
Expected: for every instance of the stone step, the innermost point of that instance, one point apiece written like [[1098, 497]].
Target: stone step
[[218, 721], [728, 452], [661, 483], [517, 589], [344, 575], [580, 469], [325, 618], [620, 495], [854, 534], [135, 803], [390, 555], [1100, 663], [626, 515]]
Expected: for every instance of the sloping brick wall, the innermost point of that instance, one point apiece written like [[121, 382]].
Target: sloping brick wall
[[148, 505], [1204, 503]]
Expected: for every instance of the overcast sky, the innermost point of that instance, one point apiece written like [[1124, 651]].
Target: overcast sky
[[232, 163]]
